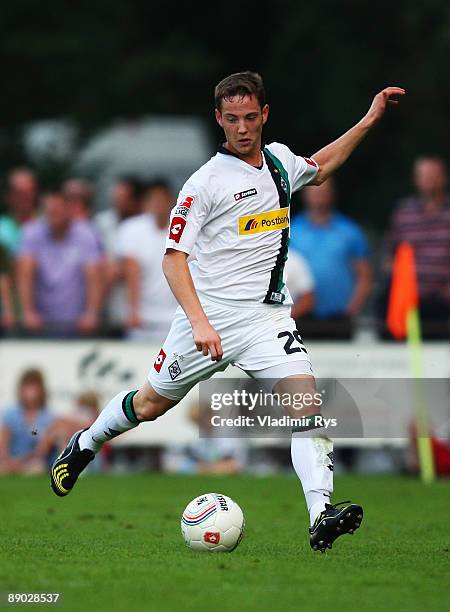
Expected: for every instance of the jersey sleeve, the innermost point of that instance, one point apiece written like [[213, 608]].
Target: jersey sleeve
[[305, 170], [187, 217], [301, 170]]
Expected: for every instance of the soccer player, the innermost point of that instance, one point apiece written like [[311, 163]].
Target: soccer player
[[234, 304]]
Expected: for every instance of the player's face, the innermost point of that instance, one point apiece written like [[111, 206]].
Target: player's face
[[242, 120]]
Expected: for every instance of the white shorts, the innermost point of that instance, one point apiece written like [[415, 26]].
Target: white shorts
[[263, 342]]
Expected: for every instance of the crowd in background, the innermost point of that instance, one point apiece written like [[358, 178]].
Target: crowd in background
[[32, 435], [67, 271]]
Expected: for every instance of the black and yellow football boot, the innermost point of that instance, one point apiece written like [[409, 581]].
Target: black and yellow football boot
[[69, 465], [334, 522]]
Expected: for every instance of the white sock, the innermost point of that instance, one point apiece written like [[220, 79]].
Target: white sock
[[116, 417], [312, 459]]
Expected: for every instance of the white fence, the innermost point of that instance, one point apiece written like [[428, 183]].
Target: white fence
[[107, 367]]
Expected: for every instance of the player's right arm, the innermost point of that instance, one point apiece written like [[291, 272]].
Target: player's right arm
[[177, 273], [186, 220]]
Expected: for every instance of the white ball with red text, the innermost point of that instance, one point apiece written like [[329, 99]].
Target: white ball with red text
[[212, 522]]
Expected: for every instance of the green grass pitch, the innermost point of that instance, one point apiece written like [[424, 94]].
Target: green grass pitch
[[115, 544]]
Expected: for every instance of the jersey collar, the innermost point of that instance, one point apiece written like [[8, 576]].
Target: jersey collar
[[222, 149]]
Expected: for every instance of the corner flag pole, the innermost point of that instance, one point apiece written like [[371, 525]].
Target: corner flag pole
[[403, 321]]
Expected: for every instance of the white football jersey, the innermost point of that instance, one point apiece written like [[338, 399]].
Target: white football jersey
[[237, 218]]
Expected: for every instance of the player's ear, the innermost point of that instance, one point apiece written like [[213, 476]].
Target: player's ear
[[219, 117], [265, 113]]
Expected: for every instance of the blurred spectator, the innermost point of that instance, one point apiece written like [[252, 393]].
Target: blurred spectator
[[126, 203], [300, 283], [21, 201], [23, 424], [58, 273], [140, 248], [208, 454], [336, 250], [423, 220], [54, 439], [7, 316], [78, 195]]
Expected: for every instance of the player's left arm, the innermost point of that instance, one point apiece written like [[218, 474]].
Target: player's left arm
[[331, 157]]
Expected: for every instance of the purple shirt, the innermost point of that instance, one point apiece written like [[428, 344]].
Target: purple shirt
[[60, 282], [429, 234]]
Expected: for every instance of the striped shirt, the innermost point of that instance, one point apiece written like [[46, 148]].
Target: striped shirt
[[429, 235]]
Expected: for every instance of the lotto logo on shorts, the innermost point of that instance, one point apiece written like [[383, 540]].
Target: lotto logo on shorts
[[159, 361], [176, 228], [264, 222]]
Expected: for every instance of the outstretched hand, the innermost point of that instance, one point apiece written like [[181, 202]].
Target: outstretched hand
[[381, 101]]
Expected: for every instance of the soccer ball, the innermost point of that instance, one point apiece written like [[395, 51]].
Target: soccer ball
[[212, 522]]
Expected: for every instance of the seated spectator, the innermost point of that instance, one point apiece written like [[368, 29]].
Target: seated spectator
[[423, 220], [55, 438], [209, 454], [7, 316], [336, 250], [126, 203], [140, 248], [58, 274], [21, 200], [300, 283], [23, 425]]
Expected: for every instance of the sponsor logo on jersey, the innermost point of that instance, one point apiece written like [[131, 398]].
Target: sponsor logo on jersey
[[264, 222], [245, 194], [159, 361], [276, 297], [251, 224], [212, 537], [182, 211], [187, 202], [311, 162], [176, 228]]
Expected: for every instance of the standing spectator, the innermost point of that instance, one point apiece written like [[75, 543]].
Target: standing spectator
[[423, 220], [21, 200], [300, 283], [336, 250], [126, 203], [78, 194], [7, 318], [58, 273], [140, 247], [24, 423]]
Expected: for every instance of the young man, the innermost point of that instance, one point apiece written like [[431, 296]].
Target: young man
[[234, 305]]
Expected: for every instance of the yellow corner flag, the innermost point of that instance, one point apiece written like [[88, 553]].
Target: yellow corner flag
[[403, 322]]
